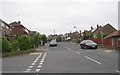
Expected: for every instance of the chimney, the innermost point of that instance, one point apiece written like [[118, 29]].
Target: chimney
[[19, 22], [91, 28], [97, 26]]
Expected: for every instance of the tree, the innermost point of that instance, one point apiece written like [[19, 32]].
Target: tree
[[44, 39], [37, 38]]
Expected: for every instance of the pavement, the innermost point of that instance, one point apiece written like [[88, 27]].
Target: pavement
[[64, 58]]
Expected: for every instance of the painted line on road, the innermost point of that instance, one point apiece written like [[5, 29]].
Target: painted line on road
[[28, 70], [37, 70], [43, 57], [117, 71], [78, 52], [34, 62], [39, 66], [30, 66], [40, 63], [92, 59]]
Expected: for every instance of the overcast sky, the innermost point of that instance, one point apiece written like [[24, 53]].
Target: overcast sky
[[62, 15]]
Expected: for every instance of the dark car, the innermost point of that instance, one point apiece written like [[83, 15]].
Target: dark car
[[53, 43], [88, 44]]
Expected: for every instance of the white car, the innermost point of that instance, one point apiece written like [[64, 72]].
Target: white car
[[53, 43]]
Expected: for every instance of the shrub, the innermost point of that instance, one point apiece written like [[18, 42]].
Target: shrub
[[15, 45], [24, 42], [5, 45]]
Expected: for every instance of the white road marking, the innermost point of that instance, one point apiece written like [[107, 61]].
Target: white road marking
[[33, 64], [39, 66], [40, 63], [35, 61], [28, 70], [92, 59], [37, 70], [30, 66], [77, 52], [117, 71], [43, 57]]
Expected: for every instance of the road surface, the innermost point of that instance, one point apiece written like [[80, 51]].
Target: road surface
[[65, 58]]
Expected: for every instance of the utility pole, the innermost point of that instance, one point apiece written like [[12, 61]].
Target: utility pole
[[54, 34], [54, 31]]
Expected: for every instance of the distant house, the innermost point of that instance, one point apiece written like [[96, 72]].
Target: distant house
[[87, 34], [18, 28], [103, 31], [59, 38], [5, 30], [32, 32], [75, 36], [115, 36]]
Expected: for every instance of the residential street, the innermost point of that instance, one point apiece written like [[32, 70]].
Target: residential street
[[65, 58]]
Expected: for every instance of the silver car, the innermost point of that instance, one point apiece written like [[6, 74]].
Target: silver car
[[53, 43]]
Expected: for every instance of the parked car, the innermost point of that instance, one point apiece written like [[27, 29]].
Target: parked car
[[88, 44], [53, 43]]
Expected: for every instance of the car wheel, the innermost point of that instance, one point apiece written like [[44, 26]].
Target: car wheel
[[85, 47], [81, 47]]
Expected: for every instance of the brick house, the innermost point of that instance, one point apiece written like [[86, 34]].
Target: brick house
[[75, 36], [115, 37], [103, 31], [18, 28]]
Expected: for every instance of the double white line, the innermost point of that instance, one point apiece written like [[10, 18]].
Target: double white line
[[31, 66]]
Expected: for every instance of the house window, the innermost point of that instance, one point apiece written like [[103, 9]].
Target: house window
[[2, 24], [7, 27]]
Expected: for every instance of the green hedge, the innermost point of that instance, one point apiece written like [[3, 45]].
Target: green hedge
[[5, 45], [24, 42]]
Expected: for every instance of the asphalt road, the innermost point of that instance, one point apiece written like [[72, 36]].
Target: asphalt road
[[65, 58]]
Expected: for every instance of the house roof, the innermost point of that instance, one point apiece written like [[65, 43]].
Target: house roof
[[5, 23], [16, 24], [105, 28], [114, 34], [87, 32]]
